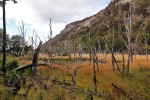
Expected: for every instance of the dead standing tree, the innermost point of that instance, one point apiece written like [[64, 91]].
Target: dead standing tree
[[121, 35], [48, 48], [95, 64], [2, 4], [111, 27], [94, 56], [90, 50], [146, 38], [80, 49], [128, 28], [4, 67], [146, 47], [22, 32], [50, 38], [35, 57], [118, 69], [36, 50], [68, 48]]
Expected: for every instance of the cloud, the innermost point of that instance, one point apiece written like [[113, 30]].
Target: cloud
[[65, 11], [36, 13]]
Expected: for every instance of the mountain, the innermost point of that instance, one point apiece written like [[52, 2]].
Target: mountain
[[102, 23]]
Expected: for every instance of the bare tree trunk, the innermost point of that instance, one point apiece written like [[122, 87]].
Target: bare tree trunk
[[50, 44], [4, 68], [130, 54], [90, 50], [35, 57], [74, 77], [22, 32], [80, 53], [90, 57], [120, 29], [146, 47], [94, 76], [112, 54], [69, 49], [113, 64], [123, 59], [99, 50]]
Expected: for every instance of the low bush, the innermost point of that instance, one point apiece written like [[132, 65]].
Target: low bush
[[12, 65], [0, 65]]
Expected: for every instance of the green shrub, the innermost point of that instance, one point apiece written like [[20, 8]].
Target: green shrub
[[12, 78], [0, 65], [12, 65], [65, 54]]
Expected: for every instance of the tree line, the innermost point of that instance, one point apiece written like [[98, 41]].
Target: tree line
[[15, 44]]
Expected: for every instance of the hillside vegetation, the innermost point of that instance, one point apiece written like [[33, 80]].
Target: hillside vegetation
[[103, 23]]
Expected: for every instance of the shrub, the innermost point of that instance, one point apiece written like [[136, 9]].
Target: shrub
[[0, 65], [12, 65], [65, 54]]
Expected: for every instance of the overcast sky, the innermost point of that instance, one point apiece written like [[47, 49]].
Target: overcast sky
[[36, 14]]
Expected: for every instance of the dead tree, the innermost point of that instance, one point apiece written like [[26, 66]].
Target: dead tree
[[22, 32], [31, 41], [118, 69], [50, 42], [4, 67], [94, 76], [113, 43], [99, 49], [146, 47], [35, 57], [68, 48], [74, 50], [95, 63], [49, 49], [111, 26], [80, 52], [134, 46], [2, 4], [90, 50], [128, 27], [121, 35]]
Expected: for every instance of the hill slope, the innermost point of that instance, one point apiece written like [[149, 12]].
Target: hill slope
[[102, 23]]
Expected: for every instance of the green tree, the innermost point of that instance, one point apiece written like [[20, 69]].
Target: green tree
[[16, 44], [1, 40]]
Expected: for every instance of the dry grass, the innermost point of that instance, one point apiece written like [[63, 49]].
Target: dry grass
[[135, 83]]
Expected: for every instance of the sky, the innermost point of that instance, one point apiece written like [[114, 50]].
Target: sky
[[36, 13]]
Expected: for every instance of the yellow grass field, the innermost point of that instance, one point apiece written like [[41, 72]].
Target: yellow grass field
[[136, 85]]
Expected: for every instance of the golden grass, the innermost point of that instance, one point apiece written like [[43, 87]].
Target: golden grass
[[85, 77]]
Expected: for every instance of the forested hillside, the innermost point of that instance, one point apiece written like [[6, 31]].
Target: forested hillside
[[106, 22]]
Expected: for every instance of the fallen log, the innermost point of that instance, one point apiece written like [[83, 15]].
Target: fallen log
[[30, 65], [71, 87], [122, 91], [82, 91]]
